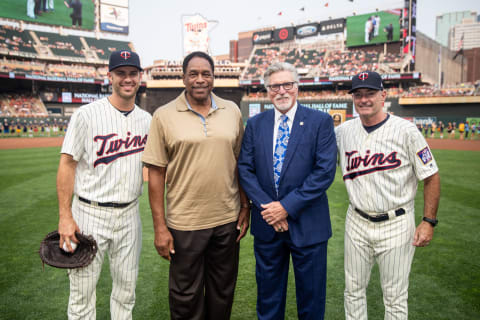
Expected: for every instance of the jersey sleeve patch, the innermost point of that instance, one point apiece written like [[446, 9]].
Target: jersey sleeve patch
[[425, 155]]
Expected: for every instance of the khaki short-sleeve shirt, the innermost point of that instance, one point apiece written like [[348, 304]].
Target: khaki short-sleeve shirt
[[201, 158]]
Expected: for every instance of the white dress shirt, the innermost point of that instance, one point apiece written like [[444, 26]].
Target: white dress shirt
[[290, 114]]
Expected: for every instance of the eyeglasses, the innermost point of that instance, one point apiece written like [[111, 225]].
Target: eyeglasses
[[368, 95], [276, 87]]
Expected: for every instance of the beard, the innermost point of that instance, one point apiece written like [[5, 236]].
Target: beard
[[284, 102]]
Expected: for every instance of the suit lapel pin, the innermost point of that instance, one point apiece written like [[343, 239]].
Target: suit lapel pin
[[301, 123]]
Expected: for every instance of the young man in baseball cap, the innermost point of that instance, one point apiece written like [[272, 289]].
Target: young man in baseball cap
[[124, 58], [382, 158], [100, 167]]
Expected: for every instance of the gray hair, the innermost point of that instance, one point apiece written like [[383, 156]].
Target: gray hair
[[277, 67]]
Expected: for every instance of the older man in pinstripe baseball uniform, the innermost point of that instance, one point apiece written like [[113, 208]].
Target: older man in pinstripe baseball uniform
[[382, 158], [100, 165]]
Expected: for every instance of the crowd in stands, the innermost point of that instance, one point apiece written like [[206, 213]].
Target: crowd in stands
[[462, 89], [29, 66], [18, 40], [104, 47], [348, 63], [312, 61], [15, 39], [53, 69], [175, 71], [21, 105], [71, 71], [392, 58], [62, 45]]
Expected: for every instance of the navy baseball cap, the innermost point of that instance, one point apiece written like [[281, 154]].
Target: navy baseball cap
[[123, 58], [367, 79]]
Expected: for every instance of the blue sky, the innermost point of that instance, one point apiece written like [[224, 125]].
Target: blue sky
[[156, 29]]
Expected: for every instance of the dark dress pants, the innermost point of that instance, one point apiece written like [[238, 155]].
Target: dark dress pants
[[203, 273], [310, 269]]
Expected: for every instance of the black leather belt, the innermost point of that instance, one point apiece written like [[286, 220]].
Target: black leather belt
[[105, 204], [380, 217]]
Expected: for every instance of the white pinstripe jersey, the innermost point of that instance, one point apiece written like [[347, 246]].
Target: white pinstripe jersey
[[381, 169], [108, 147]]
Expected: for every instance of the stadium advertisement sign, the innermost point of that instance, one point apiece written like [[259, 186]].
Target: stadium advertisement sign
[[251, 108], [306, 30], [332, 26], [283, 34], [196, 31], [69, 97], [56, 78], [113, 19], [262, 37], [58, 13], [372, 28]]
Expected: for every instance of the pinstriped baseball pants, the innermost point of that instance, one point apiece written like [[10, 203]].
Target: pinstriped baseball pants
[[389, 243], [118, 232]]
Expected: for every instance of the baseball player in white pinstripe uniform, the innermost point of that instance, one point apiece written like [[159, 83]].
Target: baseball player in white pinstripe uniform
[[382, 158], [100, 165]]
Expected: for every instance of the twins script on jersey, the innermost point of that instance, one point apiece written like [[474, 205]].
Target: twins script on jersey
[[112, 147], [108, 146], [382, 160]]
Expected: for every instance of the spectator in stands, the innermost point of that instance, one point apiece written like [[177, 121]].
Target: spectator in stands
[[76, 15]]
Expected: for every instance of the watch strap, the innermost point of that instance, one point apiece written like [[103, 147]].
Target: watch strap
[[433, 222]]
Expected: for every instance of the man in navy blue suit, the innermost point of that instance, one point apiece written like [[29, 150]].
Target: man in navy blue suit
[[286, 164]]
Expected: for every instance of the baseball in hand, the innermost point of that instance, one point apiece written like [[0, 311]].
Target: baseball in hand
[[72, 244]]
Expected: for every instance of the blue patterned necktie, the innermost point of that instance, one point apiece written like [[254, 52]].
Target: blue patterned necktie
[[280, 149]]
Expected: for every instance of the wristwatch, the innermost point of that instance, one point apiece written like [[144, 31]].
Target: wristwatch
[[433, 222]]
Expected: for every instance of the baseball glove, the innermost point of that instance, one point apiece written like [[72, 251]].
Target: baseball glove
[[53, 255]]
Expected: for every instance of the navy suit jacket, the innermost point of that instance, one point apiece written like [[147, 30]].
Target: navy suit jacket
[[308, 170]]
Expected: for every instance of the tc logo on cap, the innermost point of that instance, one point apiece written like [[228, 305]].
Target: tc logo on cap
[[125, 55], [363, 76]]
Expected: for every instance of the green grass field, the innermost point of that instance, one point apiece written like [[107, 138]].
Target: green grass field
[[356, 28], [444, 283], [16, 9]]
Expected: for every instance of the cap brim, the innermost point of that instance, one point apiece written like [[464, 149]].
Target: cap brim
[[125, 65], [365, 86]]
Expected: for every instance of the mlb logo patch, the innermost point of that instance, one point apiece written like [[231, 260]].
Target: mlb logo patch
[[425, 155]]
